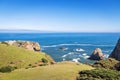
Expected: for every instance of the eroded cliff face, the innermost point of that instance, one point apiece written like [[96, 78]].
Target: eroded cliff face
[[116, 52], [97, 54], [29, 45]]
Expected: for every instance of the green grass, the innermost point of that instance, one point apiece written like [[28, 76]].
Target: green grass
[[59, 71], [19, 57]]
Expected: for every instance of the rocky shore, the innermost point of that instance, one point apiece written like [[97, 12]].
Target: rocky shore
[[29, 45]]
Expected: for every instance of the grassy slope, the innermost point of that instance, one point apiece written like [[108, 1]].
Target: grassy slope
[[59, 71], [21, 57]]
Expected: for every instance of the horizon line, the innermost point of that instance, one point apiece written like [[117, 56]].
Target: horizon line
[[45, 31]]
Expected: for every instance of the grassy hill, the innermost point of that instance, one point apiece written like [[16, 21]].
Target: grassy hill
[[59, 71], [20, 57]]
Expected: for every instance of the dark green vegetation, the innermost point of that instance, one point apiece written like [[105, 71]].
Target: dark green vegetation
[[105, 70], [99, 74], [109, 63], [7, 69], [21, 58]]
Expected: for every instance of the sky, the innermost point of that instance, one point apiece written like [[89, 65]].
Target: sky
[[60, 15]]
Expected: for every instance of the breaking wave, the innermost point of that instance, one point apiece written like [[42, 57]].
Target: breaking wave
[[58, 45], [76, 59]]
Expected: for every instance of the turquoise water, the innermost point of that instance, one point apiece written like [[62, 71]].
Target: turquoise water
[[53, 43]]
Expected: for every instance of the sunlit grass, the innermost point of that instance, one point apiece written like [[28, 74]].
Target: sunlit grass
[[19, 56], [59, 71]]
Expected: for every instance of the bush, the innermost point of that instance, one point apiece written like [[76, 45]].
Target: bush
[[30, 65], [44, 60], [99, 74], [107, 64], [43, 64], [7, 69]]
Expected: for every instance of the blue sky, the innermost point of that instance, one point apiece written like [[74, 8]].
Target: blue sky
[[61, 15]]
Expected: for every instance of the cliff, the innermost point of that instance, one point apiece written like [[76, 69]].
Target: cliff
[[116, 52]]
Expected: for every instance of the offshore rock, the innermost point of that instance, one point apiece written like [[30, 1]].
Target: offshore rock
[[97, 54]]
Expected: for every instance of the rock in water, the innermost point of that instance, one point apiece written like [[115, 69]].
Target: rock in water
[[97, 54], [29, 45], [116, 52]]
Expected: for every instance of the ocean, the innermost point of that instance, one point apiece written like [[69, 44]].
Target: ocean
[[69, 46]]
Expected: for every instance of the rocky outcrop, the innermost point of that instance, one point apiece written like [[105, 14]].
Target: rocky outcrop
[[97, 54], [116, 52], [33, 46]]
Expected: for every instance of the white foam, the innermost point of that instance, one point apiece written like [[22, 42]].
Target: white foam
[[64, 55], [76, 60], [84, 54], [49, 46], [106, 55], [63, 59], [80, 49], [66, 45], [86, 57], [71, 53], [74, 44]]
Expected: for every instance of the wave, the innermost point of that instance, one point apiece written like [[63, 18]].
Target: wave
[[70, 53], [64, 59], [86, 57], [58, 45], [84, 54], [80, 49], [76, 59], [64, 55], [106, 55], [49, 46], [74, 44], [65, 45]]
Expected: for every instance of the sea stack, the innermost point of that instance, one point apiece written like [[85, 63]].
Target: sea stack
[[97, 54], [29, 45], [116, 52]]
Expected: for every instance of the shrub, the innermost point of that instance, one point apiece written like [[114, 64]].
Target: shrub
[[30, 65], [107, 64], [99, 74], [44, 60], [7, 69], [43, 64], [33, 66]]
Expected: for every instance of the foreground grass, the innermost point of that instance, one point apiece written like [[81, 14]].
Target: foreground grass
[[59, 71]]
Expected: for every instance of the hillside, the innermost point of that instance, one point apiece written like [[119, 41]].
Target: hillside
[[20, 57], [59, 71]]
